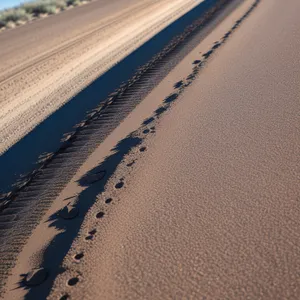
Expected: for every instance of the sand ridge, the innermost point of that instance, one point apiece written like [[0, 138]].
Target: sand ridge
[[204, 200], [25, 211], [62, 163], [209, 209], [29, 97]]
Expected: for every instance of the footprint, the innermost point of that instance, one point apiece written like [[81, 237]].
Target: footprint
[[100, 215], [73, 281], [92, 232], [119, 185], [196, 62], [64, 297], [216, 46], [148, 121], [226, 36], [89, 237], [160, 110], [208, 54], [79, 256], [108, 200], [146, 131], [178, 84], [143, 149], [171, 98]]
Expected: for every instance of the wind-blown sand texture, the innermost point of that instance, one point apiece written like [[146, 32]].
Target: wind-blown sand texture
[[195, 194], [40, 72], [211, 209]]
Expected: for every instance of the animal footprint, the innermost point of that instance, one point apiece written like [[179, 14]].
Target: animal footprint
[[108, 200], [119, 185], [73, 281], [143, 149], [100, 215], [78, 256]]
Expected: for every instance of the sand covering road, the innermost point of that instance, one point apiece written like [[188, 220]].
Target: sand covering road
[[206, 203], [211, 209], [42, 68]]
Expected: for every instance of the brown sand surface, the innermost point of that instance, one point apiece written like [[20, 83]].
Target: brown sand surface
[[51, 239], [45, 63], [210, 209]]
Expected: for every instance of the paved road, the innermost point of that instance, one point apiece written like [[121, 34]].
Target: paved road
[[212, 209]]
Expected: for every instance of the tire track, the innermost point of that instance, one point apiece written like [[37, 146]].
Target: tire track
[[64, 84], [24, 209], [78, 40]]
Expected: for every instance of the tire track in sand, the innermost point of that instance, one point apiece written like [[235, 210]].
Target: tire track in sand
[[24, 212]]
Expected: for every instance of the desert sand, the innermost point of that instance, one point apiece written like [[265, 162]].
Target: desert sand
[[210, 210], [46, 63], [199, 196]]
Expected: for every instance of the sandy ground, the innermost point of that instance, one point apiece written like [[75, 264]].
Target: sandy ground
[[211, 209], [203, 196], [45, 63]]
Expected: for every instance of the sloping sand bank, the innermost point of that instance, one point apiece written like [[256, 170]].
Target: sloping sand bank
[[39, 74], [210, 210], [199, 195], [49, 81]]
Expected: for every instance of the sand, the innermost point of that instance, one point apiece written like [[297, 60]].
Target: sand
[[201, 201], [46, 63], [211, 209]]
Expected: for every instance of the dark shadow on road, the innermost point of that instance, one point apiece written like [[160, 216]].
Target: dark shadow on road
[[60, 245]]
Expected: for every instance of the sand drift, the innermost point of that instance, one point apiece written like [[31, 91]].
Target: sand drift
[[37, 77], [142, 71], [26, 100], [180, 184]]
